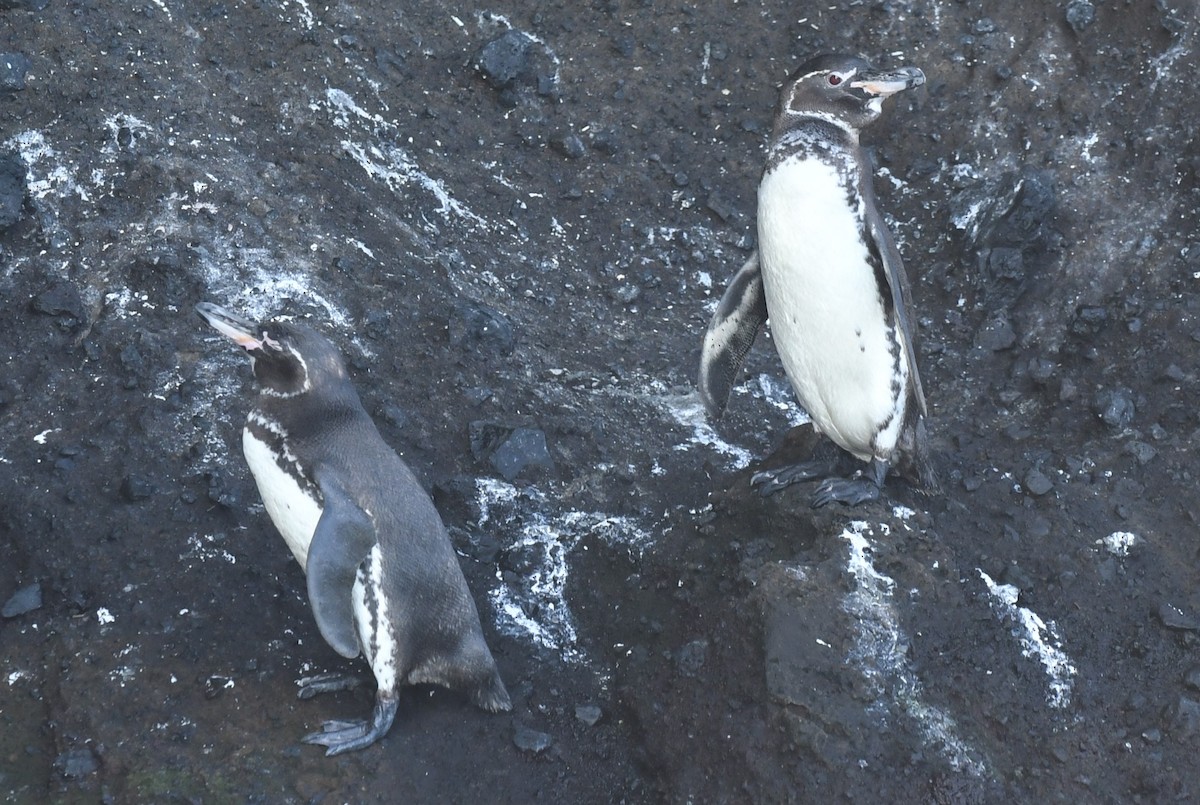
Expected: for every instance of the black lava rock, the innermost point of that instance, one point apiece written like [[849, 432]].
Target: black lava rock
[[512, 452], [12, 188], [525, 449], [1115, 407], [506, 59], [13, 67], [1013, 234], [60, 299], [137, 487], [480, 330], [515, 61], [1080, 15], [996, 335], [26, 599]]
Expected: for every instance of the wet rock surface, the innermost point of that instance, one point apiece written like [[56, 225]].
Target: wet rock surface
[[521, 217]]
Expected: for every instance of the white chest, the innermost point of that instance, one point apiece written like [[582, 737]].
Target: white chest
[[291, 507], [826, 310]]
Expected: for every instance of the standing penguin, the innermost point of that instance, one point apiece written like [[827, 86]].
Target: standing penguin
[[382, 575], [828, 274]]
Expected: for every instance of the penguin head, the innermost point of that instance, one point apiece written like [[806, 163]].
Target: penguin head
[[845, 90], [289, 359]]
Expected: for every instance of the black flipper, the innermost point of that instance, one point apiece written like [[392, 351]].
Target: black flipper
[[899, 287], [344, 537], [734, 326]]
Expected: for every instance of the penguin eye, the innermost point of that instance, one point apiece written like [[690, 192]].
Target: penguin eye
[[834, 79]]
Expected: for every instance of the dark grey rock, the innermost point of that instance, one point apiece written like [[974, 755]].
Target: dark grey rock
[[1012, 233], [691, 658], [480, 330], [1173, 617], [570, 146], [1015, 575], [589, 714], [1089, 320], [511, 451], [1037, 484], [1143, 452], [24, 5], [996, 335], [523, 450], [506, 59], [1186, 724], [13, 68], [1115, 407], [1042, 370], [12, 188], [721, 207], [24, 600], [1192, 678], [1080, 15], [75, 763], [135, 488], [528, 739], [626, 293], [60, 299]]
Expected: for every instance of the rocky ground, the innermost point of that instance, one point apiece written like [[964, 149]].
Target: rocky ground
[[516, 220]]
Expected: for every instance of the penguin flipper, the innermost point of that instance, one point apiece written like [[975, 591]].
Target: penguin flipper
[[885, 250], [342, 540], [734, 326]]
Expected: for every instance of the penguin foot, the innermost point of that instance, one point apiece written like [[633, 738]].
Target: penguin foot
[[326, 683], [346, 736], [862, 487], [768, 482], [850, 491]]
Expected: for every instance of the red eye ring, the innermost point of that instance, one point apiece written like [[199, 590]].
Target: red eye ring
[[834, 79]]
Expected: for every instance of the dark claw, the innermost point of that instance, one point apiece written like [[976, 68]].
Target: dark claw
[[845, 490], [326, 683], [768, 482]]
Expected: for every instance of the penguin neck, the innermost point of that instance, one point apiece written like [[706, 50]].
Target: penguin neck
[[815, 136], [306, 408]]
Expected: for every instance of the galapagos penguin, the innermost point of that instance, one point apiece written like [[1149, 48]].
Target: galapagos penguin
[[383, 578], [829, 276]]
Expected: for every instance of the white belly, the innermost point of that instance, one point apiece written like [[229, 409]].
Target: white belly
[[827, 315], [294, 512]]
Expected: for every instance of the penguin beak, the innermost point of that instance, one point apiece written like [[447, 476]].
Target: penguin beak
[[232, 326], [882, 83]]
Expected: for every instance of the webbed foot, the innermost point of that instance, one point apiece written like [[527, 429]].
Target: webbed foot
[[851, 491], [863, 487], [768, 482], [346, 736]]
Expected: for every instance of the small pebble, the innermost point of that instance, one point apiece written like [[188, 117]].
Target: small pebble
[[531, 740], [1037, 483]]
